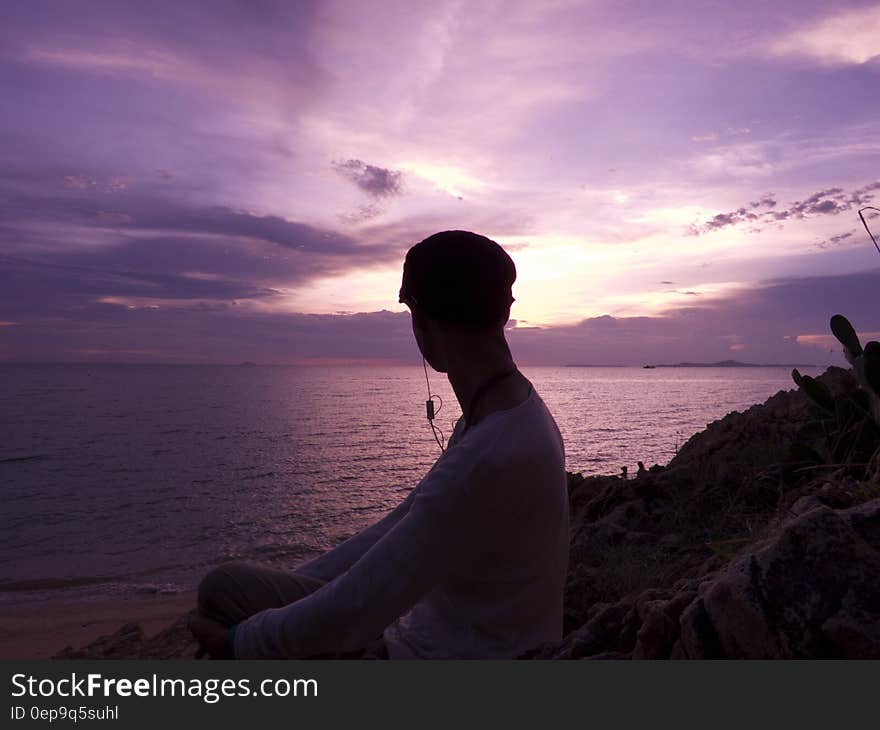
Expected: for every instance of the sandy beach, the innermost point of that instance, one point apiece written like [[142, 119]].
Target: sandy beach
[[40, 630]]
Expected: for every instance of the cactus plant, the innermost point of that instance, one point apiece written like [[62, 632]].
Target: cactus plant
[[850, 424], [846, 336], [872, 365], [865, 362], [815, 389]]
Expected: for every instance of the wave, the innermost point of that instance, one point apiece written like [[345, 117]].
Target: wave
[[44, 584], [34, 457]]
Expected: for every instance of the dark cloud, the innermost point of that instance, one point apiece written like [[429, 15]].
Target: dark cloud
[[723, 220], [834, 240], [83, 260], [74, 315], [34, 289], [151, 226], [765, 201], [133, 213], [831, 201], [211, 333], [362, 214], [379, 182], [766, 320]]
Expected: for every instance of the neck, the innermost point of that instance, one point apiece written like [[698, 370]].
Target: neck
[[472, 366]]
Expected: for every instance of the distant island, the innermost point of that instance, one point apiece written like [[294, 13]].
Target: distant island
[[735, 364], [720, 364]]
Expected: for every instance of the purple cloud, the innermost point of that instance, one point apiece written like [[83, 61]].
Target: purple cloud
[[830, 201], [835, 240], [378, 182]]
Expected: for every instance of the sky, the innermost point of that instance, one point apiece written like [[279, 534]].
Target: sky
[[228, 181]]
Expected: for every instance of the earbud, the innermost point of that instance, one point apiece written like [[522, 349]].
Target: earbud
[[429, 410]]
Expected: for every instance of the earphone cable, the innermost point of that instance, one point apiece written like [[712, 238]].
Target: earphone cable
[[431, 413]]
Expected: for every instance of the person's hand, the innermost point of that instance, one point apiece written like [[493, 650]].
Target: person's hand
[[213, 637]]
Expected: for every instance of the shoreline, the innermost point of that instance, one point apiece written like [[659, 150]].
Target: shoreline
[[41, 630]]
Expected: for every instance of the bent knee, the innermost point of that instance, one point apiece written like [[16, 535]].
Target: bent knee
[[217, 587]]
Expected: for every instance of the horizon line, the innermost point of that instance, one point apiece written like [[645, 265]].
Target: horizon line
[[365, 362]]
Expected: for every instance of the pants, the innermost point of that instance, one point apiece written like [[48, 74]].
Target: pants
[[233, 592]]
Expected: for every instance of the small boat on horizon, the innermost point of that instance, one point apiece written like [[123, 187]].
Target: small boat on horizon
[[649, 367]]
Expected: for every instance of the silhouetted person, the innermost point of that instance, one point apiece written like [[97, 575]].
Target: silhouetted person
[[472, 563]]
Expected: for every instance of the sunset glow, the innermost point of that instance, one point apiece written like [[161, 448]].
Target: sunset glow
[[225, 176]]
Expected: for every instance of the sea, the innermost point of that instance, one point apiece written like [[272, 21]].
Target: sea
[[120, 480]]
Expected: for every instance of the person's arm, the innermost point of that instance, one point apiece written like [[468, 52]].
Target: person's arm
[[337, 560], [417, 553]]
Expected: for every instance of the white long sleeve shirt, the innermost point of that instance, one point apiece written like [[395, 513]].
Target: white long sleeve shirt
[[471, 565]]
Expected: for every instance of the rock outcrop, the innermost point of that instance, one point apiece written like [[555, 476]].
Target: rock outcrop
[[812, 590], [747, 545], [174, 642]]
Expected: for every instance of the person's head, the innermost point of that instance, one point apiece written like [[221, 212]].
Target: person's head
[[457, 285]]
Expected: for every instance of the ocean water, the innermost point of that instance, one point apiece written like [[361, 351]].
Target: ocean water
[[119, 479]]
